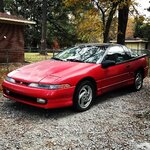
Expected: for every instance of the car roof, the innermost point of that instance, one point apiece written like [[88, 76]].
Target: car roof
[[98, 44]]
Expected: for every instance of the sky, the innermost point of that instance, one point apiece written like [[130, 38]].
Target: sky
[[143, 4]]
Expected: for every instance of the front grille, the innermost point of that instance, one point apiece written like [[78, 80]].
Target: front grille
[[20, 96]]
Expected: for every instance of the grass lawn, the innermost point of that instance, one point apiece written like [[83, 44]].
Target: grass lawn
[[34, 57]]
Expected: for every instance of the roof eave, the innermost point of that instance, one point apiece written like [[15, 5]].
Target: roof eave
[[24, 22], [131, 41]]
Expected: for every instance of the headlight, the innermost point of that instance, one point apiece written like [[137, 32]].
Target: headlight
[[49, 86], [10, 79]]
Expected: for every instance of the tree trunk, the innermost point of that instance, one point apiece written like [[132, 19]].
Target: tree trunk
[[109, 21], [122, 23], [44, 28], [1, 6]]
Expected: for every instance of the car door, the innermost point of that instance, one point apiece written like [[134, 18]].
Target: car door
[[117, 75]]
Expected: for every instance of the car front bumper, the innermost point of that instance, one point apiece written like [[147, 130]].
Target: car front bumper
[[28, 95]]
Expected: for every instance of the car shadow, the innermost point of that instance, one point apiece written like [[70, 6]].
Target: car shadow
[[112, 94], [28, 110]]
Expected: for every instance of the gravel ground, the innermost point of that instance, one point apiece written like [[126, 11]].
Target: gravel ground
[[119, 120]]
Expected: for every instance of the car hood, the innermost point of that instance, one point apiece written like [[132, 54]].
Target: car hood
[[55, 69]]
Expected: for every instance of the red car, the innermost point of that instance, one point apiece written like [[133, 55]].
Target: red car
[[75, 76]]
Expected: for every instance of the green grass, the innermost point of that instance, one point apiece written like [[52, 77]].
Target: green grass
[[34, 57]]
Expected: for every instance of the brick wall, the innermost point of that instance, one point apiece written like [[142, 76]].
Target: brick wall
[[11, 43]]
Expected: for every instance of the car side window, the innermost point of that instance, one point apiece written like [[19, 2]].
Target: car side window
[[131, 53], [117, 54]]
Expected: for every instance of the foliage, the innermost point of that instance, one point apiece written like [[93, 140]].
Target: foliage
[[92, 13], [142, 29], [70, 21], [29, 10], [89, 27], [86, 20], [60, 26], [58, 23], [104, 13], [130, 28]]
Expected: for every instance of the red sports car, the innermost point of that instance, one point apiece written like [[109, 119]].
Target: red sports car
[[75, 76]]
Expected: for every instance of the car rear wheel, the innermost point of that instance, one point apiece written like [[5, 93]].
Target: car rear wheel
[[138, 81], [84, 96]]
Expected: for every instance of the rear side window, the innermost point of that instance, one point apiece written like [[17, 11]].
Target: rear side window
[[117, 54], [131, 53]]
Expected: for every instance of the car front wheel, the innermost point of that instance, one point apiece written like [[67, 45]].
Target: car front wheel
[[84, 96]]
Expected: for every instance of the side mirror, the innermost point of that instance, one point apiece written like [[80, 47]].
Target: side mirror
[[108, 63]]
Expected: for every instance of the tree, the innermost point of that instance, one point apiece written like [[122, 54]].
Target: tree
[[60, 26], [58, 22], [89, 27], [130, 28], [122, 21], [29, 10], [142, 29], [105, 8], [145, 31], [1, 6], [44, 27], [138, 23]]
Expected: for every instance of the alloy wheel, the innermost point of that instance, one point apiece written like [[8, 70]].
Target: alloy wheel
[[85, 96]]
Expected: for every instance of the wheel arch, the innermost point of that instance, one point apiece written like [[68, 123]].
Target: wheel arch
[[140, 69], [92, 80], [76, 105]]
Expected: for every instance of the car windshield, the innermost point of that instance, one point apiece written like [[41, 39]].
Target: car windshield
[[86, 54]]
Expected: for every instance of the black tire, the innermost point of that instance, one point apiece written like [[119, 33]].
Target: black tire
[[83, 96], [138, 81]]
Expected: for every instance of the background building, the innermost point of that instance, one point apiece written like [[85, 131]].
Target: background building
[[12, 38]]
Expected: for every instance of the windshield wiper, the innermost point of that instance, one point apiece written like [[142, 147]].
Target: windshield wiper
[[55, 58], [74, 60]]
